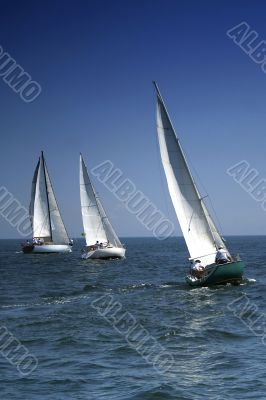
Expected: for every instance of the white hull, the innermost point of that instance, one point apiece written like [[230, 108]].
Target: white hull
[[52, 248], [108, 252]]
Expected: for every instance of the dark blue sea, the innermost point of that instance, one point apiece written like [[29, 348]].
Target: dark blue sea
[[130, 329]]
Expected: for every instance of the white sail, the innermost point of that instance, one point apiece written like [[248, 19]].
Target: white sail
[[92, 221], [59, 233], [44, 212], [199, 231], [41, 217], [95, 221]]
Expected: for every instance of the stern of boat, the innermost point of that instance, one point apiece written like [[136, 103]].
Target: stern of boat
[[219, 274]]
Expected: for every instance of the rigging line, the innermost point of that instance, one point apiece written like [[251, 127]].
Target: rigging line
[[206, 212], [193, 212], [207, 194], [216, 216], [97, 230], [190, 220], [106, 221], [102, 217]]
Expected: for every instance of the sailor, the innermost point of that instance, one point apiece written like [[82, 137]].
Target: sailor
[[40, 241], [197, 269], [222, 257], [97, 244]]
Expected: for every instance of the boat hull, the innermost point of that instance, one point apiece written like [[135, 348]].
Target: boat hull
[[219, 274], [47, 248], [105, 254]]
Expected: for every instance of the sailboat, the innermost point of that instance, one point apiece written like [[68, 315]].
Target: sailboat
[[49, 232], [101, 239], [200, 233]]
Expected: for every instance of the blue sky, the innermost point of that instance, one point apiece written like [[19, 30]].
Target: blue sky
[[95, 62]]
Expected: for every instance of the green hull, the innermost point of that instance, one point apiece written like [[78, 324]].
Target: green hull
[[219, 274]]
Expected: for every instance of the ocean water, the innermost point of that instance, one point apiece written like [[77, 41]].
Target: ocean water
[[74, 319]]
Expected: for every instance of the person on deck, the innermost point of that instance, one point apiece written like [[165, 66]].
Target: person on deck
[[197, 269], [222, 257]]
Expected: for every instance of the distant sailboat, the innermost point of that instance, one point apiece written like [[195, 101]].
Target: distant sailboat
[[202, 237], [101, 239], [49, 232]]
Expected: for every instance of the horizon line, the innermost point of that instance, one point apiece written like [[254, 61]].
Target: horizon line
[[149, 237]]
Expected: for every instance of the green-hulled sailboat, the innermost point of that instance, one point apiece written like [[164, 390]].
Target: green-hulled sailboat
[[199, 231]]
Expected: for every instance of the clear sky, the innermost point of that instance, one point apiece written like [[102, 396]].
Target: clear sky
[[95, 62]]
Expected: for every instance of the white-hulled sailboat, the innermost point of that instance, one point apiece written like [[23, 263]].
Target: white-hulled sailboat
[[200, 233], [49, 232], [101, 239]]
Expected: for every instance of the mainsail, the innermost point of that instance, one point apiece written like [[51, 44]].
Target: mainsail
[[199, 231], [45, 216], [95, 221]]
